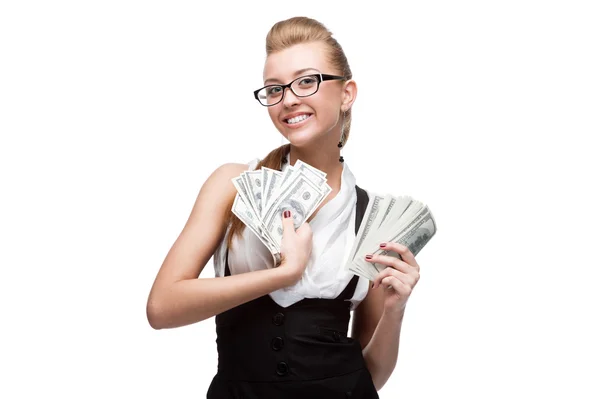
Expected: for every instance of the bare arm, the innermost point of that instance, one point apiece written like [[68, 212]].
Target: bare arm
[[379, 335], [189, 301], [178, 297]]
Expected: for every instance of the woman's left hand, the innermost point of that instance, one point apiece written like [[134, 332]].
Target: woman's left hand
[[399, 278]]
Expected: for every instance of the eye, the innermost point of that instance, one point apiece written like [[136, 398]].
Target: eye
[[273, 90], [308, 81]]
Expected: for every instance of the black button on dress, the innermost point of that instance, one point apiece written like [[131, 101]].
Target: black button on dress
[[298, 352]]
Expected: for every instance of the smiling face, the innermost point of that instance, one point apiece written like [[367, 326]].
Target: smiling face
[[323, 107]]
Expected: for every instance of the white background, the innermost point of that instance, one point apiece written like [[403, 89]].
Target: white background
[[113, 114]]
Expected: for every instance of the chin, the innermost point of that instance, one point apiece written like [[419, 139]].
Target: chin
[[301, 139]]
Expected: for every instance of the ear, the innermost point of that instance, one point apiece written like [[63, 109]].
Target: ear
[[349, 92]]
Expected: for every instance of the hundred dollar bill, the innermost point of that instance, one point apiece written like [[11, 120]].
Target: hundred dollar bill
[[314, 175], [300, 196], [263, 195], [387, 220], [289, 171], [301, 164], [271, 183], [247, 216], [254, 183], [359, 272], [415, 233], [240, 185], [373, 209], [242, 190]]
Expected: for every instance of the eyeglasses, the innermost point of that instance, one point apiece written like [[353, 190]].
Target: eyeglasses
[[303, 86]]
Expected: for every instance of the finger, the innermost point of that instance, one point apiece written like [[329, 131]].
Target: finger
[[387, 272], [402, 250], [380, 276], [390, 272], [398, 285], [389, 261], [392, 282], [287, 222], [304, 231]]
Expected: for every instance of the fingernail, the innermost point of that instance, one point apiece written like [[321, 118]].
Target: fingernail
[[369, 256], [286, 214], [382, 245]]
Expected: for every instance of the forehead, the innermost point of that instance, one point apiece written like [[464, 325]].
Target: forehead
[[282, 65]]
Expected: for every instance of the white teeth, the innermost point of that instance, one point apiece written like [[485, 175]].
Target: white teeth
[[297, 119]]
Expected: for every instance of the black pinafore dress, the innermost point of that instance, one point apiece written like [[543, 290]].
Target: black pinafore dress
[[299, 352]]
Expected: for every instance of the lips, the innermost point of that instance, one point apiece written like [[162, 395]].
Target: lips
[[298, 124], [295, 114]]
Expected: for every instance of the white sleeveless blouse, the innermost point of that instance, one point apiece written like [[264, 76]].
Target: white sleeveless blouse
[[333, 236]]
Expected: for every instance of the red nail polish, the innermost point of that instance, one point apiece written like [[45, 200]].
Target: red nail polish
[[369, 256], [382, 245], [286, 214]]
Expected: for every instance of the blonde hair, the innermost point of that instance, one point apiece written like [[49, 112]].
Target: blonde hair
[[284, 34]]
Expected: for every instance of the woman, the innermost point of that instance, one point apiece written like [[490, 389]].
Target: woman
[[282, 331]]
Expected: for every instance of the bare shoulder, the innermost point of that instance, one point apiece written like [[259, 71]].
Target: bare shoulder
[[218, 190], [204, 229], [211, 209]]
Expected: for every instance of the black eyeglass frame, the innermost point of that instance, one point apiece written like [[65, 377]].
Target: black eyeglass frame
[[322, 78]]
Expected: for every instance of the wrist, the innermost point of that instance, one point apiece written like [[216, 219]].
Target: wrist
[[395, 314], [287, 273]]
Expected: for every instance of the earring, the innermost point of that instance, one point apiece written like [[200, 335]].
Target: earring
[[284, 157], [340, 145]]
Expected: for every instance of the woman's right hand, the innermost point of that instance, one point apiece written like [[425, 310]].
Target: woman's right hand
[[296, 246]]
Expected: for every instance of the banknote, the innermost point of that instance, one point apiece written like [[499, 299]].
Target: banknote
[[263, 195], [271, 179], [301, 197], [402, 220], [243, 212]]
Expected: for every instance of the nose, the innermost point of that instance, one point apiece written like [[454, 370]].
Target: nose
[[289, 99]]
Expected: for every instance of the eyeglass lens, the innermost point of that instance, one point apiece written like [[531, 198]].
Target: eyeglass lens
[[302, 87]]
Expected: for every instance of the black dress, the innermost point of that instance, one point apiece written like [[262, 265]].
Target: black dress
[[298, 352]]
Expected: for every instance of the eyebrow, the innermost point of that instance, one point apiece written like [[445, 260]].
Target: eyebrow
[[298, 72]]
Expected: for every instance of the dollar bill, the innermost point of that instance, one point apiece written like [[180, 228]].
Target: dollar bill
[[253, 180], [249, 208], [402, 220], [248, 217], [272, 182], [301, 197], [263, 195], [373, 208]]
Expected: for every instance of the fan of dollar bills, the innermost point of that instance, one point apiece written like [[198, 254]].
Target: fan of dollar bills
[[263, 195], [387, 218]]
